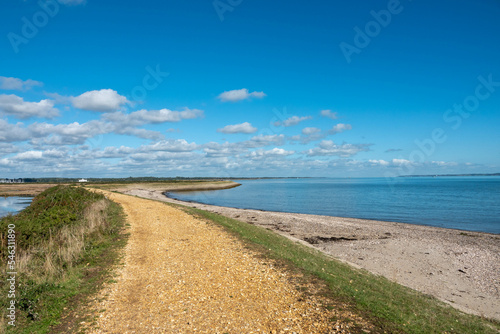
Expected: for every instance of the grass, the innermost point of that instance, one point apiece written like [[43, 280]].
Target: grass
[[67, 241], [391, 307]]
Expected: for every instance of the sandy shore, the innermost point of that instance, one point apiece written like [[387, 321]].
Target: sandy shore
[[458, 267]]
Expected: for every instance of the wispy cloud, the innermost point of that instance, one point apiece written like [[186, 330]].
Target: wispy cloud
[[58, 98], [264, 140], [329, 148], [291, 121], [9, 83], [238, 128], [239, 95], [311, 134], [310, 131], [214, 149], [339, 128], [328, 113], [393, 150]]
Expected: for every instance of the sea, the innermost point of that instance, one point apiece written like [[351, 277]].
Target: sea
[[464, 203], [13, 205]]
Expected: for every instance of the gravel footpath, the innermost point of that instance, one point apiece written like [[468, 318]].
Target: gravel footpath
[[458, 267], [183, 275]]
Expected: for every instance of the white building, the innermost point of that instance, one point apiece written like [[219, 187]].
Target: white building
[[11, 181], [83, 180]]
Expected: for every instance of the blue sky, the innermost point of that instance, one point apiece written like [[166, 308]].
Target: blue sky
[[249, 88]]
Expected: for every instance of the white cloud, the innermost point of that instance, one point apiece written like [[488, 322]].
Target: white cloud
[[13, 132], [90, 128], [114, 152], [329, 114], [238, 128], [217, 150], [54, 153], [170, 145], [141, 133], [444, 163], [104, 100], [67, 134], [339, 128], [7, 148], [153, 116], [379, 162], [6, 163], [264, 140], [30, 155], [294, 120], [309, 135], [18, 84], [329, 148], [239, 95], [74, 133], [401, 162], [173, 158], [214, 149], [16, 106], [310, 131], [275, 152]]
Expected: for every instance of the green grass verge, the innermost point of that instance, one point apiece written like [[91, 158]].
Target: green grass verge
[[391, 307], [67, 241]]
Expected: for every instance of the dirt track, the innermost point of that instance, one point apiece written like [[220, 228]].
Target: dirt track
[[183, 275]]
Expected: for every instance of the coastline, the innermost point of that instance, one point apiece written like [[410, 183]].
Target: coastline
[[458, 267], [33, 189], [166, 186]]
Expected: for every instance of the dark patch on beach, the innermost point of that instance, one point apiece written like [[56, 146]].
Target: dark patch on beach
[[319, 239]]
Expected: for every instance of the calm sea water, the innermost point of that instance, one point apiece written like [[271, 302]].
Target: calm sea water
[[466, 203], [13, 204]]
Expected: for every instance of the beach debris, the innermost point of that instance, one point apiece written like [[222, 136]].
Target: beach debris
[[321, 239]]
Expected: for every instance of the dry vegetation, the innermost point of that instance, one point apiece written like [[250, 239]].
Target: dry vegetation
[[23, 189], [62, 248]]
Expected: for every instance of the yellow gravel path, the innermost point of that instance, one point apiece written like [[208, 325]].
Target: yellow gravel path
[[182, 275]]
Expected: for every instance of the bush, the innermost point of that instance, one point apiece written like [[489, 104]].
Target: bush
[[65, 232]]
